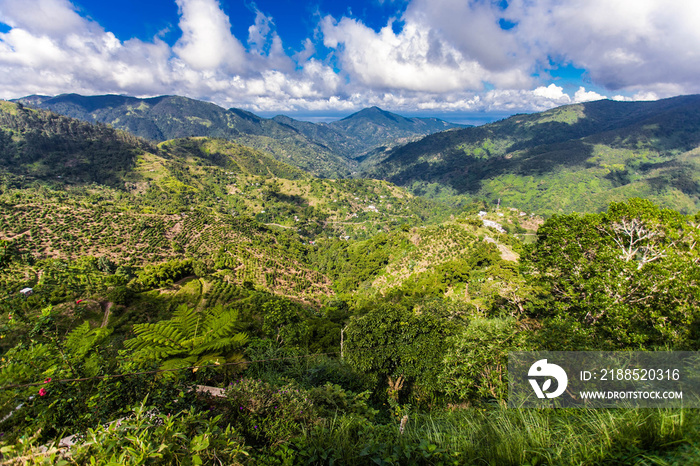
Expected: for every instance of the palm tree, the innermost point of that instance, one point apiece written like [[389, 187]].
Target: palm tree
[[190, 338]]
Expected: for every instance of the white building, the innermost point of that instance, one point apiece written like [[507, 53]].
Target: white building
[[492, 224]]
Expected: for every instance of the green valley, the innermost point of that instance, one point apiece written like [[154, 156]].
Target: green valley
[[200, 299]]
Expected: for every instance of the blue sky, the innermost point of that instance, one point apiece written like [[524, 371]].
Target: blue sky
[[464, 60]]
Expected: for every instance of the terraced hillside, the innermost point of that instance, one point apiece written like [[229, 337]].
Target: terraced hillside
[[71, 190]]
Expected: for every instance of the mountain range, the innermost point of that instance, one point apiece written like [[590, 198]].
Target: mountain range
[[68, 186], [324, 149], [577, 157], [572, 158]]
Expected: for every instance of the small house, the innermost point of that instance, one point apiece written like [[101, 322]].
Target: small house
[[26, 291], [492, 224]]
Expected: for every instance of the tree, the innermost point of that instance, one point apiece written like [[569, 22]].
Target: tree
[[286, 322], [475, 363], [190, 338], [397, 342], [628, 277]]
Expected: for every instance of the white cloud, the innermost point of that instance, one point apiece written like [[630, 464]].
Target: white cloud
[[42, 17], [207, 42], [472, 27], [443, 46], [623, 44], [208, 62], [446, 55], [551, 92], [582, 95], [415, 59]]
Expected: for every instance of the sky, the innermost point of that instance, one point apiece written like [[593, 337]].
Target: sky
[[461, 60]]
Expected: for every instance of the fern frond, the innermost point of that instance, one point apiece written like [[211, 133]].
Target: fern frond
[[75, 340], [185, 320], [178, 363], [224, 345], [211, 359], [82, 339], [160, 334], [220, 325]]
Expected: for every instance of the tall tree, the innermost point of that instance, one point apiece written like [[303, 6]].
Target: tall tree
[[625, 278]]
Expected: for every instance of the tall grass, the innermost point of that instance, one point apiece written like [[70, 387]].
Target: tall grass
[[502, 436], [499, 436]]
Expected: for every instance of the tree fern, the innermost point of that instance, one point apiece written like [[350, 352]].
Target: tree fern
[[82, 339], [190, 338]]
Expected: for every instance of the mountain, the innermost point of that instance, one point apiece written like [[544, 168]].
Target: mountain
[[169, 117], [369, 130], [204, 198], [327, 150], [572, 158], [45, 145]]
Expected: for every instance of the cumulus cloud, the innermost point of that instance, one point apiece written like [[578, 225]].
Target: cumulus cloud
[[207, 42], [582, 95], [42, 17], [442, 55], [415, 59], [625, 44], [207, 62]]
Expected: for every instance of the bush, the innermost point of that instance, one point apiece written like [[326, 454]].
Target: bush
[[475, 365], [149, 437]]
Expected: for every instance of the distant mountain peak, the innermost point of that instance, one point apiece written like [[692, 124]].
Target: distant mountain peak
[[373, 112]]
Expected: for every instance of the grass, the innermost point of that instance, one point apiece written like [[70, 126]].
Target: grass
[[559, 437], [500, 436]]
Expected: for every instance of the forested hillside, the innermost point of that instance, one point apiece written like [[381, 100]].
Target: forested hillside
[[572, 158], [198, 301], [170, 117], [368, 131], [322, 149]]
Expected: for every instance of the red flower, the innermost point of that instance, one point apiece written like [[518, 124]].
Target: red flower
[[47, 380], [42, 392]]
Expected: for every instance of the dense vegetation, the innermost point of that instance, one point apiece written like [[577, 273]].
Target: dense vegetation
[[573, 158], [323, 149], [198, 302]]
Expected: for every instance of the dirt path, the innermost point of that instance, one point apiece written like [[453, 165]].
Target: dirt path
[[182, 281], [276, 225], [108, 306], [506, 253], [205, 288]]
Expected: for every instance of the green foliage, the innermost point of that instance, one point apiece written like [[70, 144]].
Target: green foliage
[[627, 276], [396, 342], [286, 322], [80, 346], [431, 304], [161, 275], [190, 338], [146, 436], [475, 365], [574, 158], [39, 143], [265, 413]]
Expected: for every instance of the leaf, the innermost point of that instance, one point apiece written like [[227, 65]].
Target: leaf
[[199, 443], [188, 337], [546, 385]]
